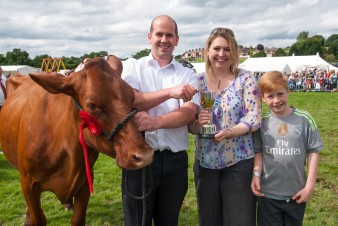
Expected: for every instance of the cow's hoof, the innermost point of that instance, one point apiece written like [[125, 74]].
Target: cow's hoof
[[27, 220], [69, 206]]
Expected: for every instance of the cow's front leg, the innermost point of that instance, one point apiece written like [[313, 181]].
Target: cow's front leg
[[32, 194], [81, 200]]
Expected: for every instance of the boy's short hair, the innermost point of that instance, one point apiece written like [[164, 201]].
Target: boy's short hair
[[271, 81]]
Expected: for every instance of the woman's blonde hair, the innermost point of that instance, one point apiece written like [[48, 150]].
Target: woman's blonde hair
[[228, 34], [271, 81]]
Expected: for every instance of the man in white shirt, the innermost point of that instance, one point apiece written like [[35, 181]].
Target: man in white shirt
[[163, 90], [2, 88]]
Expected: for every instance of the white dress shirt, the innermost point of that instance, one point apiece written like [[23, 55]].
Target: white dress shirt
[[146, 75]]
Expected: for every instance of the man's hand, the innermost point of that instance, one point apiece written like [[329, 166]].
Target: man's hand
[[145, 122], [185, 92]]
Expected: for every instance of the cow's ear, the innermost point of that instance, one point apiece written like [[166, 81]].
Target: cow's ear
[[52, 82], [115, 63]]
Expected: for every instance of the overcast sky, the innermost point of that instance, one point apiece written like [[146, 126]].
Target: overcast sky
[[74, 28]]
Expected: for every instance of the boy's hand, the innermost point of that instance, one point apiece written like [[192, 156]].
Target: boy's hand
[[303, 195], [256, 186]]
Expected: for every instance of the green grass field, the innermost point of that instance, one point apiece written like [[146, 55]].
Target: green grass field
[[105, 206]]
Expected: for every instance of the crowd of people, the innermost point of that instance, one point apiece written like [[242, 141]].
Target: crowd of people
[[237, 168], [312, 79]]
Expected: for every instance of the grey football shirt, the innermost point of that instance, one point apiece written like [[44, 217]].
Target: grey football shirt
[[285, 143]]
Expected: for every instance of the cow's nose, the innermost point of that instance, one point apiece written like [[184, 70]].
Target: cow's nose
[[144, 159]]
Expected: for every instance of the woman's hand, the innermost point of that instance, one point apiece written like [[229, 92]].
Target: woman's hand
[[204, 117], [222, 135]]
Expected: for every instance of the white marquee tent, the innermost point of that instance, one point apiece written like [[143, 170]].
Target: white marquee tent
[[296, 63], [263, 67], [199, 67], [22, 69], [285, 68], [285, 64]]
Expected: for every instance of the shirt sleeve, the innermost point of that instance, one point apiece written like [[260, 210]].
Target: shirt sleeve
[[3, 80], [129, 73], [314, 142], [193, 81], [252, 103], [258, 144]]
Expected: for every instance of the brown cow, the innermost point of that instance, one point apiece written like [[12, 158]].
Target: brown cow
[[39, 132]]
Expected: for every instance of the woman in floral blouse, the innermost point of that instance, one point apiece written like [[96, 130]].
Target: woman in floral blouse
[[223, 165]]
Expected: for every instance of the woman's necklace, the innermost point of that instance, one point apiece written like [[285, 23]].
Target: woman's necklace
[[219, 82]]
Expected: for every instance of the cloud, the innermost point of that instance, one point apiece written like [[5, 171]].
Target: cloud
[[74, 28]]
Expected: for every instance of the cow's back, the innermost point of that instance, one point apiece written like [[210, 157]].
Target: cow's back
[[24, 115]]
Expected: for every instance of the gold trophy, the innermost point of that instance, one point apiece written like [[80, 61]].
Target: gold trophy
[[207, 101]]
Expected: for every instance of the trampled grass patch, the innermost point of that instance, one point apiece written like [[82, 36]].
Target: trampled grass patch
[[105, 205]]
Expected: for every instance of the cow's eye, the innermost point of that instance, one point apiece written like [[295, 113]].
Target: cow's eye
[[91, 106]]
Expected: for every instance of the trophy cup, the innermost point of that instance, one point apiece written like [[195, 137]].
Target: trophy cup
[[207, 101]]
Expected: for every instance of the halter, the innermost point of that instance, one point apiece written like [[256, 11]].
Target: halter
[[113, 132], [96, 129], [110, 135]]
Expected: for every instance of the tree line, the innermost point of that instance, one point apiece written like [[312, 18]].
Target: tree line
[[19, 57], [305, 45]]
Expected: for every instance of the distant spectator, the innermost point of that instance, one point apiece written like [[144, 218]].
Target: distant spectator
[[324, 74], [333, 80], [292, 81], [329, 74], [309, 82], [2, 87], [321, 82], [299, 83], [317, 86]]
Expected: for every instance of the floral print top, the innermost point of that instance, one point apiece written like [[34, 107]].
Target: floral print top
[[238, 103]]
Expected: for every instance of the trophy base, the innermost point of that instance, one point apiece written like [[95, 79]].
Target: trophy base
[[209, 136], [208, 131]]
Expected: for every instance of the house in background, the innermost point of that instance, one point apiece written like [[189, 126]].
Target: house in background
[[193, 53]]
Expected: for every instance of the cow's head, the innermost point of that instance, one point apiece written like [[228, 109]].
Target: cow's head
[[102, 93]]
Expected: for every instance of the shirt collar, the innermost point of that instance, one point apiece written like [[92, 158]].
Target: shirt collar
[[151, 61]]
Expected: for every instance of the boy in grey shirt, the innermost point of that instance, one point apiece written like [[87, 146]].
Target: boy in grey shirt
[[286, 138]]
